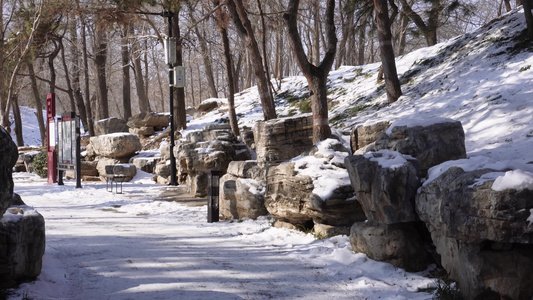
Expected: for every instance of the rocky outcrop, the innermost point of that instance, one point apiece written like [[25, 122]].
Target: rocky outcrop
[[22, 240], [8, 159], [431, 145], [363, 136], [242, 192], [116, 145], [110, 125], [149, 119], [279, 140], [482, 235], [211, 149], [299, 195]]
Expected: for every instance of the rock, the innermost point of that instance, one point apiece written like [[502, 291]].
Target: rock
[[146, 164], [385, 183], [211, 149], [8, 159], [22, 241], [207, 105], [103, 162], [89, 168], [149, 119], [17, 200], [430, 145], [247, 136], [110, 125], [301, 193], [281, 139], [241, 198], [142, 131], [363, 136], [116, 145], [482, 235], [162, 169], [399, 244]]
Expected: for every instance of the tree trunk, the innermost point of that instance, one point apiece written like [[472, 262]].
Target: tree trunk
[[67, 78], [144, 103], [37, 102], [86, 75], [316, 75], [430, 29], [126, 80], [527, 4], [100, 61], [18, 120], [392, 84], [240, 17], [361, 43], [229, 70], [76, 74]]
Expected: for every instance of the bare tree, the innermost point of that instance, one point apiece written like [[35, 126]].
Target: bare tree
[[316, 75]]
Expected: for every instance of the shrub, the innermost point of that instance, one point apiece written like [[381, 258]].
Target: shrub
[[40, 162]]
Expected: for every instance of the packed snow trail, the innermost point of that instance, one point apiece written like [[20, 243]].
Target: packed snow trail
[[102, 245]]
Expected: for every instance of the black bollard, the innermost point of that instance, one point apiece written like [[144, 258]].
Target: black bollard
[[212, 196]]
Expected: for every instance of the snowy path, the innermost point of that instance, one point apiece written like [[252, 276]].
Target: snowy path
[[107, 246]]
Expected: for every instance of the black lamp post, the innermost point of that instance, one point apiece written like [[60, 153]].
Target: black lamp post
[[170, 55]]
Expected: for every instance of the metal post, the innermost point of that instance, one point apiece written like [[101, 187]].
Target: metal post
[[213, 180], [78, 151], [173, 180]]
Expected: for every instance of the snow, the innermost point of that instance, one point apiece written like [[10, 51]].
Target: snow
[[388, 159], [132, 246], [516, 179]]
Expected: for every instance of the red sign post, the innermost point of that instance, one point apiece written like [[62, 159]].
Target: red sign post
[[51, 138]]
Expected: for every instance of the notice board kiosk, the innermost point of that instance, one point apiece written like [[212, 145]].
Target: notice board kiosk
[[69, 147]]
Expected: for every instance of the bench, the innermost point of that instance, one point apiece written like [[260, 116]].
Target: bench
[[112, 177]]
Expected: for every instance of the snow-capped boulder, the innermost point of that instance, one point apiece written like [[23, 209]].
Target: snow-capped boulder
[[313, 189], [149, 119], [431, 142], [22, 240], [385, 183], [482, 230], [116, 145], [8, 159]]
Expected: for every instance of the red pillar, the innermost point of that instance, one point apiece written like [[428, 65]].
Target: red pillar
[[51, 138]]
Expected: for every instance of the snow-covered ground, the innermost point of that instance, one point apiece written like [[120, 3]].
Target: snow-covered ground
[[129, 246], [101, 245]]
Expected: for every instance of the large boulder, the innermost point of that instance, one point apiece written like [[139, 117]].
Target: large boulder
[[110, 125], [385, 183], [313, 189], [482, 233], [8, 159], [399, 244], [211, 149], [363, 136], [279, 140], [22, 245], [116, 145], [242, 192], [430, 143], [149, 119]]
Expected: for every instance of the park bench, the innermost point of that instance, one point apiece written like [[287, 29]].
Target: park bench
[[113, 177]]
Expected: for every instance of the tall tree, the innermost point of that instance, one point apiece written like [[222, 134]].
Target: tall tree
[[244, 27], [528, 5], [428, 27], [316, 75], [392, 84], [100, 61]]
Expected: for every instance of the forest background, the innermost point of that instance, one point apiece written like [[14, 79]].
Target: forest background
[[105, 58]]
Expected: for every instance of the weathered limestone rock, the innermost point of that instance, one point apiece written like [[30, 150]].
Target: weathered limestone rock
[[399, 244], [385, 184], [22, 244], [116, 145], [146, 164], [294, 192], [482, 235], [143, 131], [430, 145], [89, 168], [207, 105], [363, 136], [211, 149], [279, 140], [110, 125], [149, 119], [8, 159], [242, 196]]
